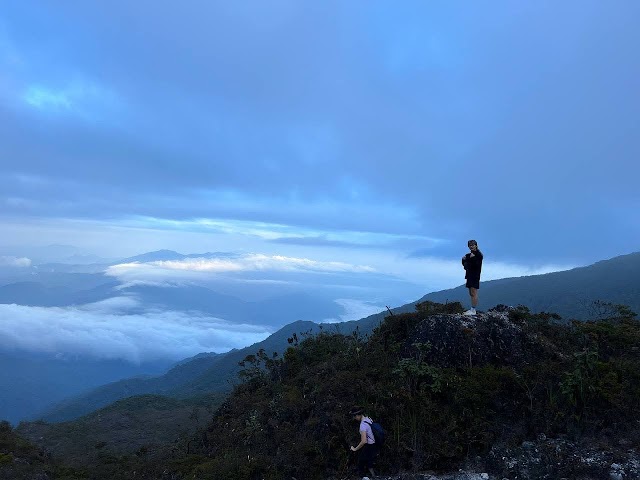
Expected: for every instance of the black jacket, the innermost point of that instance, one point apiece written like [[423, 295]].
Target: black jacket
[[473, 265]]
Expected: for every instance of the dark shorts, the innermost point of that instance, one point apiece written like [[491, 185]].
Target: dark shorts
[[473, 283], [367, 455]]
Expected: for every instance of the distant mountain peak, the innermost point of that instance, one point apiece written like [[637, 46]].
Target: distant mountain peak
[[168, 255], [155, 256]]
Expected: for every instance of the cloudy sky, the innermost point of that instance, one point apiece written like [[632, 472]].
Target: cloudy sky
[[381, 135]]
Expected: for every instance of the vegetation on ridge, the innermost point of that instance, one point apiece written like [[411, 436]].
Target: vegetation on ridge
[[446, 387]]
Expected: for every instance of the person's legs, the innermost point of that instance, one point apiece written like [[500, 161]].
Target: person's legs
[[473, 292], [365, 461], [362, 463], [370, 451]]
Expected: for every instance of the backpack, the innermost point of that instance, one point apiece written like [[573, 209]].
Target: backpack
[[378, 433]]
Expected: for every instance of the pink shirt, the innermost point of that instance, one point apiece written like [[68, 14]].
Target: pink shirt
[[365, 427]]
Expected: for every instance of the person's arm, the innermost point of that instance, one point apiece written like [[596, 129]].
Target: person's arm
[[464, 261], [363, 441]]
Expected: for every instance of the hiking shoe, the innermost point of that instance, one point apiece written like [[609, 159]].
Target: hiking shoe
[[470, 312]]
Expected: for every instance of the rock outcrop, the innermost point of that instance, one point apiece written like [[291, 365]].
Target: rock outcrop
[[457, 340]]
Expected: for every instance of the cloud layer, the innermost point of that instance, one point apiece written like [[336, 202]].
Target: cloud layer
[[9, 261], [245, 263], [122, 327], [106, 330]]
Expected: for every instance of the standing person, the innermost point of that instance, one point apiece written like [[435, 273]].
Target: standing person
[[367, 445], [472, 263]]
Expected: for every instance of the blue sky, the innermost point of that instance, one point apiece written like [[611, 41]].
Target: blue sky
[[379, 134]]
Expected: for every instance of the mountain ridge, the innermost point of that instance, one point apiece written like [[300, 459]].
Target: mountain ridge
[[202, 375], [499, 392], [569, 293], [210, 377]]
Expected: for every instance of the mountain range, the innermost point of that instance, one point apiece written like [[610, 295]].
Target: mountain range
[[32, 381], [569, 293], [608, 281], [204, 374], [69, 394], [508, 392]]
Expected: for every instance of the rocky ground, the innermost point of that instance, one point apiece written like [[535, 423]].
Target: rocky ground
[[544, 459]]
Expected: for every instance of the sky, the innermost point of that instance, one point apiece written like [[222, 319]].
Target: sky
[[377, 135]]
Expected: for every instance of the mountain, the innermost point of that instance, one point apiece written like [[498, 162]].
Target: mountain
[[610, 280], [170, 255], [449, 389], [58, 254], [514, 394], [199, 376], [277, 311], [569, 293], [31, 385], [199, 356], [22, 460], [48, 253], [158, 255], [124, 427], [36, 293], [32, 382], [61, 289]]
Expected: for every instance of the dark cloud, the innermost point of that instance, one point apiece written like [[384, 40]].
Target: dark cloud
[[511, 125]]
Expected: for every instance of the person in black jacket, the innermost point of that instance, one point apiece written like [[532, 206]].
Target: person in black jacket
[[472, 263]]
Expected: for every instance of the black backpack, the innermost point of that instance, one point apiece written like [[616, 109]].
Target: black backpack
[[378, 432]]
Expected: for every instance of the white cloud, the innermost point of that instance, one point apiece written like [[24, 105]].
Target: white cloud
[[114, 305], [81, 97], [106, 330], [199, 265], [148, 283], [354, 310], [271, 231], [187, 268], [15, 262], [43, 98], [282, 263]]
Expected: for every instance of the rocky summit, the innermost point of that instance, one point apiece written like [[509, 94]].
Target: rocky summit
[[457, 340]]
